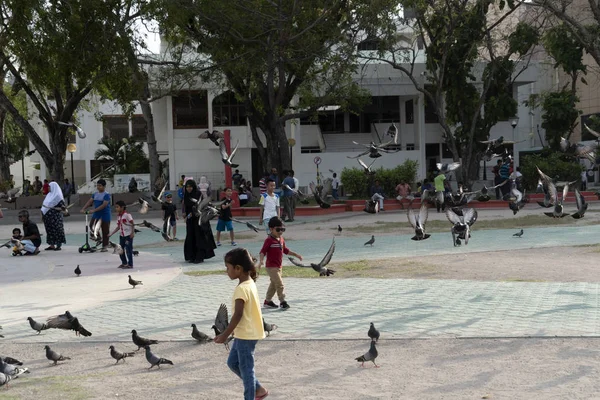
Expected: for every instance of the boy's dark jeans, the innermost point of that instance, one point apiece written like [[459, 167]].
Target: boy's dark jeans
[[127, 244]]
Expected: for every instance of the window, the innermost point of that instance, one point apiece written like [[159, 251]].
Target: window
[[446, 153], [332, 121], [97, 166], [409, 110], [430, 114], [228, 111], [368, 44], [190, 110], [139, 128], [115, 127]]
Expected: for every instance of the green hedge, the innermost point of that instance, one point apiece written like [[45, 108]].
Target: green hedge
[[556, 165], [356, 182]]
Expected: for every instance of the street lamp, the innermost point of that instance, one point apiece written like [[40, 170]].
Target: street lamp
[[29, 153], [72, 148], [513, 123]]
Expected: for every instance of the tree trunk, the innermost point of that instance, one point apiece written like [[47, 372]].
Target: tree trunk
[[4, 155], [58, 145], [151, 138]]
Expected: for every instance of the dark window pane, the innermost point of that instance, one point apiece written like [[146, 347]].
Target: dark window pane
[[115, 126], [446, 153], [430, 115], [228, 111], [409, 110], [369, 44], [139, 128], [190, 110]]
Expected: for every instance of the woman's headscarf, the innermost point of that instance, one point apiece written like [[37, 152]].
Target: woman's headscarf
[[53, 197], [187, 202]]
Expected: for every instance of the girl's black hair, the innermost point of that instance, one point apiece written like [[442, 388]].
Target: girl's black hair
[[243, 258], [275, 222]]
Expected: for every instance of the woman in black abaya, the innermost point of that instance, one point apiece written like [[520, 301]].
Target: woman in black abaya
[[199, 241]]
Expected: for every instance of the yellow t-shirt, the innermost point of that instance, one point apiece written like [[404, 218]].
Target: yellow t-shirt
[[250, 326]]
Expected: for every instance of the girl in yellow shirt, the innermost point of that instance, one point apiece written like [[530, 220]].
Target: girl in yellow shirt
[[246, 323]]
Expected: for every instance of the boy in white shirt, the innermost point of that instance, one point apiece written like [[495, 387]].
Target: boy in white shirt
[[127, 231], [269, 204]]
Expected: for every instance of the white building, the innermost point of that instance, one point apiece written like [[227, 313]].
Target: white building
[[180, 119]]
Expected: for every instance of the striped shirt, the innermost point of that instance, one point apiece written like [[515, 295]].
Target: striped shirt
[[262, 185]]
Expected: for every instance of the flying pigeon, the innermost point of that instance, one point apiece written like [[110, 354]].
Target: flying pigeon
[[320, 267], [68, 322], [221, 323], [144, 205], [580, 150], [154, 360], [95, 232], [447, 168], [54, 356], [366, 168], [519, 234], [370, 355], [373, 333], [133, 282], [248, 224], [371, 241], [483, 193], [158, 199], [418, 221], [199, 336], [227, 158], [268, 327], [461, 225], [117, 248], [557, 212], [140, 341], [118, 355], [36, 326], [519, 200], [149, 225], [214, 136], [79, 131], [77, 271], [374, 149], [319, 194], [581, 205]]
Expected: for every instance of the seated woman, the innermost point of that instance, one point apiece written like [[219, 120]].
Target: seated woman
[[31, 235]]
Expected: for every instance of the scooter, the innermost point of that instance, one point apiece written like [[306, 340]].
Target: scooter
[[86, 246]]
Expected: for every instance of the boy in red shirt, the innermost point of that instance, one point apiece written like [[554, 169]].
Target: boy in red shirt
[[127, 232], [274, 248]]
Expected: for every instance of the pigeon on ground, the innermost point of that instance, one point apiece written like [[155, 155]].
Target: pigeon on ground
[[227, 158], [37, 326], [154, 360], [77, 271], [118, 355], [10, 360], [11, 369], [321, 267], [371, 241], [319, 195], [79, 131], [54, 356], [370, 355], [418, 221], [519, 234], [373, 333], [221, 323], [68, 322], [1, 336], [140, 341], [268, 327], [199, 336], [339, 229], [461, 225], [581, 205], [4, 379], [133, 282], [214, 136], [248, 224]]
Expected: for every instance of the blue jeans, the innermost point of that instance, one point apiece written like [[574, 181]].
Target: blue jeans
[[241, 362], [127, 244], [334, 193]]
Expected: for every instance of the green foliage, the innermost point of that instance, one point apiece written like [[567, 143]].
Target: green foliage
[[560, 115], [127, 155], [14, 138], [556, 165], [565, 48], [355, 181]]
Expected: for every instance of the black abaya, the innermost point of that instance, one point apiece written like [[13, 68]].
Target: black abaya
[[199, 241]]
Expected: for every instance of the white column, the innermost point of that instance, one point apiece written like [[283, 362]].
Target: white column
[[210, 96], [173, 176], [420, 141], [402, 125]]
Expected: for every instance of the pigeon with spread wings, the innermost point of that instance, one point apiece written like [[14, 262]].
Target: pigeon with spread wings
[[321, 267], [418, 220], [319, 194], [214, 136], [248, 224], [373, 150], [367, 168], [461, 225], [68, 322], [581, 205], [221, 323], [227, 158], [579, 150]]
